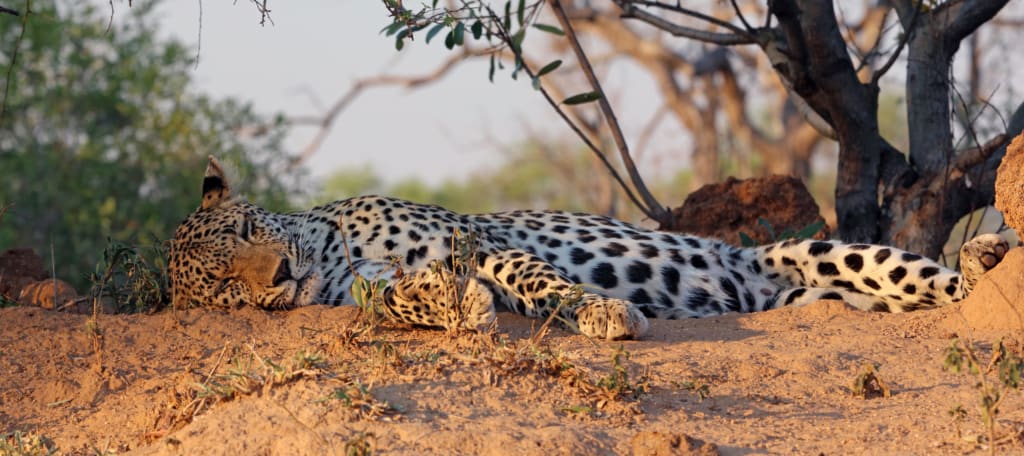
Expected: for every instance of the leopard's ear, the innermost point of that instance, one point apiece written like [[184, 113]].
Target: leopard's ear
[[216, 188]]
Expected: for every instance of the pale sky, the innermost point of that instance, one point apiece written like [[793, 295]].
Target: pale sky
[[319, 47]]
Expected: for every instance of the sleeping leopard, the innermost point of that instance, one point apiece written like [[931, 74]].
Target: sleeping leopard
[[599, 275]]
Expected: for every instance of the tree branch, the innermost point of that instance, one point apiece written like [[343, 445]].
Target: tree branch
[[739, 36], [6, 10], [651, 206], [974, 156], [971, 15], [907, 32], [326, 121]]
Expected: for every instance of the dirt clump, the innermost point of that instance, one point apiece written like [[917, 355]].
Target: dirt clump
[[19, 267], [726, 209], [653, 443], [1010, 185]]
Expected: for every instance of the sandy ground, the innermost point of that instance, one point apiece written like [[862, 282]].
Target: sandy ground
[[321, 380]]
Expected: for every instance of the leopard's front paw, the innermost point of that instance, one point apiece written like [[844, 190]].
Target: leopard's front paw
[[979, 255], [611, 319], [440, 299]]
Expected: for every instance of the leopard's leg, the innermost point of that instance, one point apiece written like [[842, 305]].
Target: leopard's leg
[[428, 297], [802, 296], [535, 288], [903, 281], [978, 256]]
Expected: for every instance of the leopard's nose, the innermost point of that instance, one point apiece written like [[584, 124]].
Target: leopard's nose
[[283, 272]]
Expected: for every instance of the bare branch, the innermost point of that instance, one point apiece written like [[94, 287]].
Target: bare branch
[[907, 33], [971, 14], [689, 12], [326, 121], [261, 7], [740, 36], [975, 156], [739, 14], [652, 208]]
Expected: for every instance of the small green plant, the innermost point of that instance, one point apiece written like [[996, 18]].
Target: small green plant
[[803, 233], [356, 397], [958, 414], [252, 373], [457, 274], [368, 293], [131, 280], [1005, 365], [19, 443], [617, 383], [360, 445], [7, 302], [869, 383], [578, 409], [701, 389]]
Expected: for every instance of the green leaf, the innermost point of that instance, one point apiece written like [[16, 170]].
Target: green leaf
[[400, 39], [449, 40], [549, 68], [433, 5], [478, 29], [810, 230], [433, 32], [582, 98], [508, 15], [746, 241], [517, 41], [358, 289], [768, 227], [490, 72], [519, 66], [393, 28], [459, 32], [520, 12], [536, 83], [549, 29]]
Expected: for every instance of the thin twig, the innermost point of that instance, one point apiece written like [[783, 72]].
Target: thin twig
[[899, 48], [503, 34], [199, 37], [652, 208], [14, 59], [326, 121], [739, 14]]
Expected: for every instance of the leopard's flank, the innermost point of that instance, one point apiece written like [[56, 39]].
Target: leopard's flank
[[230, 253]]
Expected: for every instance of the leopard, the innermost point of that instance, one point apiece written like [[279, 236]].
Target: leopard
[[600, 276]]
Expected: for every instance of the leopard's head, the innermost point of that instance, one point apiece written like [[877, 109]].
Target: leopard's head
[[230, 253]]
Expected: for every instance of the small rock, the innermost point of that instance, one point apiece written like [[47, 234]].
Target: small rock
[[19, 267]]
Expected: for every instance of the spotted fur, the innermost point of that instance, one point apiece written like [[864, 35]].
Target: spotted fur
[[604, 275]]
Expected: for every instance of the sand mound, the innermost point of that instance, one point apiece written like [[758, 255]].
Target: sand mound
[[315, 381], [1010, 185], [997, 302]]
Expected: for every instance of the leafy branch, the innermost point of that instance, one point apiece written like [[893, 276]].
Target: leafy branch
[[507, 31]]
